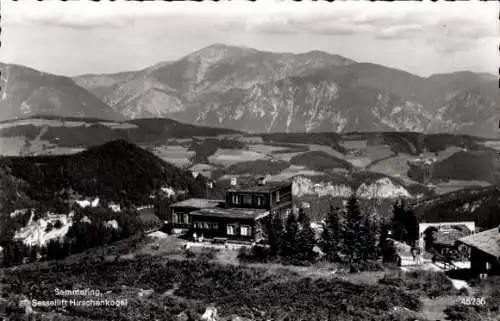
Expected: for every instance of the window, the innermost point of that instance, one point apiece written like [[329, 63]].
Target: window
[[205, 225], [246, 231], [230, 230], [247, 199], [175, 218], [488, 266], [236, 199], [197, 225], [187, 218], [259, 200], [213, 226]]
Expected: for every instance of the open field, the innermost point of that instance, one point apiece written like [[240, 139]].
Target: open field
[[265, 149], [11, 146], [455, 185], [395, 166], [228, 157], [175, 154]]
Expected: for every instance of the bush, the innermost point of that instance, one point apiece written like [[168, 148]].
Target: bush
[[256, 253], [429, 283], [189, 254], [208, 253], [366, 266], [461, 312]]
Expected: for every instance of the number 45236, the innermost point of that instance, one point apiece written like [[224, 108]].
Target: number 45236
[[468, 300]]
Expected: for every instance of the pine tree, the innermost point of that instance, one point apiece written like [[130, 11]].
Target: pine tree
[[305, 238], [398, 227], [331, 236], [353, 241], [369, 230], [275, 232], [411, 226], [289, 246], [404, 223]]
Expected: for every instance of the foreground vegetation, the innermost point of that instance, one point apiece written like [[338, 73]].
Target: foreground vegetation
[[194, 284]]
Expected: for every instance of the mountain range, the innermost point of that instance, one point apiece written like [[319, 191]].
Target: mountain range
[[256, 91]]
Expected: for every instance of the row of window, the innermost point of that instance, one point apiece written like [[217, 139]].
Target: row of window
[[251, 199], [247, 199], [206, 225], [181, 218], [244, 230]]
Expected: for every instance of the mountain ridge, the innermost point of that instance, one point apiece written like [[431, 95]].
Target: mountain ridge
[[261, 91]]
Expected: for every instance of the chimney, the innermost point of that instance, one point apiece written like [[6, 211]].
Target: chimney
[[262, 180], [234, 181]]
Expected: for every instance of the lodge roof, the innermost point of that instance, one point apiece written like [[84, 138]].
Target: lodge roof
[[487, 241], [253, 186], [199, 203], [242, 213]]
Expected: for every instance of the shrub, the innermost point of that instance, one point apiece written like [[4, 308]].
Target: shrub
[[256, 253], [461, 312], [208, 253], [366, 266], [189, 254], [429, 283]]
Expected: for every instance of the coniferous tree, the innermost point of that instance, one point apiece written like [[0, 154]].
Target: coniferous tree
[[289, 244], [411, 225], [332, 235], [353, 241], [369, 230], [275, 234], [404, 223], [305, 238], [398, 227]]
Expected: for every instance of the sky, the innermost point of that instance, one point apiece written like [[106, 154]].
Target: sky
[[84, 37]]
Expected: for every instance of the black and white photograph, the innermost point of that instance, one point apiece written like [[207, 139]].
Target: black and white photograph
[[239, 160]]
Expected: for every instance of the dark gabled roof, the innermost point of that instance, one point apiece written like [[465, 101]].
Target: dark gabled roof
[[255, 187], [487, 241], [239, 213], [199, 203]]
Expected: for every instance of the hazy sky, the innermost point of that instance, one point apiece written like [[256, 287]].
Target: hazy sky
[[72, 38]]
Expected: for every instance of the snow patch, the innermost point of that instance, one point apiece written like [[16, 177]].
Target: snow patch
[[111, 224], [168, 190], [35, 231], [158, 235], [87, 203], [115, 207], [18, 212]]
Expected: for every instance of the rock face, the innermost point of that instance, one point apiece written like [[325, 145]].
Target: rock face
[[172, 87], [381, 188], [244, 88], [26, 92]]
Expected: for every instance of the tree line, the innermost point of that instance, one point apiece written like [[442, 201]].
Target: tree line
[[357, 240]]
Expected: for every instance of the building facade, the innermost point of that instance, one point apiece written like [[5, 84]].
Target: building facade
[[240, 217]]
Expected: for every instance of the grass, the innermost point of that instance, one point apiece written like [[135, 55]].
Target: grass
[[421, 282], [319, 160], [245, 291]]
